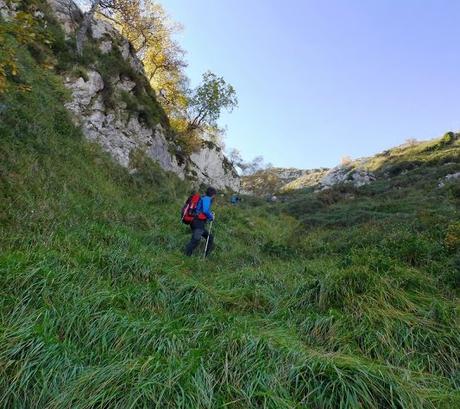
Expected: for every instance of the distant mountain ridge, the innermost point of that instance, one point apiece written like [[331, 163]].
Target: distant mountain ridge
[[358, 172]]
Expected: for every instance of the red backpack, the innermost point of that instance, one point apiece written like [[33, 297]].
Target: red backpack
[[189, 209]]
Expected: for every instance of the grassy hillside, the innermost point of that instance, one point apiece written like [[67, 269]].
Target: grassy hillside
[[442, 153], [351, 301]]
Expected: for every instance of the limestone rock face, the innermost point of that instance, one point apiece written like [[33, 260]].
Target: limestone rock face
[[451, 177], [310, 178], [286, 175], [348, 175], [67, 13], [271, 180], [211, 165], [7, 10], [118, 129], [118, 132], [4, 10]]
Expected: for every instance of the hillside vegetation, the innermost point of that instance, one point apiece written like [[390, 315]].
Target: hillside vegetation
[[358, 172], [272, 180], [343, 299]]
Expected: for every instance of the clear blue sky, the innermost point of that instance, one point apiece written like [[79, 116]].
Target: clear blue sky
[[317, 80]]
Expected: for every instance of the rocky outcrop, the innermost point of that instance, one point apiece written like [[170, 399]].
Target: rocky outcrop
[[346, 175], [286, 175], [271, 180], [451, 177], [310, 178], [116, 130], [119, 127], [67, 13], [210, 164], [5, 10]]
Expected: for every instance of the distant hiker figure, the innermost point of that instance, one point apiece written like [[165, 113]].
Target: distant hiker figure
[[196, 212], [234, 199]]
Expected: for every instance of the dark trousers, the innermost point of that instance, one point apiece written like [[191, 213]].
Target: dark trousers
[[199, 231]]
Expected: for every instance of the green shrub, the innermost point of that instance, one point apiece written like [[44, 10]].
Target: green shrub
[[448, 139], [277, 249]]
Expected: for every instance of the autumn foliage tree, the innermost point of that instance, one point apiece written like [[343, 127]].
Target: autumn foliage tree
[[20, 30], [150, 31]]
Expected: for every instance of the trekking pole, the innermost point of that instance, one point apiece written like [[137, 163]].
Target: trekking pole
[[207, 240]]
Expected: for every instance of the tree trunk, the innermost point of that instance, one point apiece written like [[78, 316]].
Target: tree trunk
[[85, 25]]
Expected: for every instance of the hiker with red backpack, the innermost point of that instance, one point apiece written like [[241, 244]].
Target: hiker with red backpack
[[196, 212]]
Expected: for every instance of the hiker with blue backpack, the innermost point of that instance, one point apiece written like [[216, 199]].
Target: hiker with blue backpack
[[197, 212]]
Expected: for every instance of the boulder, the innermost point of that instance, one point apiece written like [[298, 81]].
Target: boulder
[[451, 177]]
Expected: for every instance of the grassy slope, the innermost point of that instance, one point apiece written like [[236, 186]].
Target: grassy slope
[[98, 307]]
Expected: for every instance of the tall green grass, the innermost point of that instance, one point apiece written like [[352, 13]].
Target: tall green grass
[[100, 309]]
